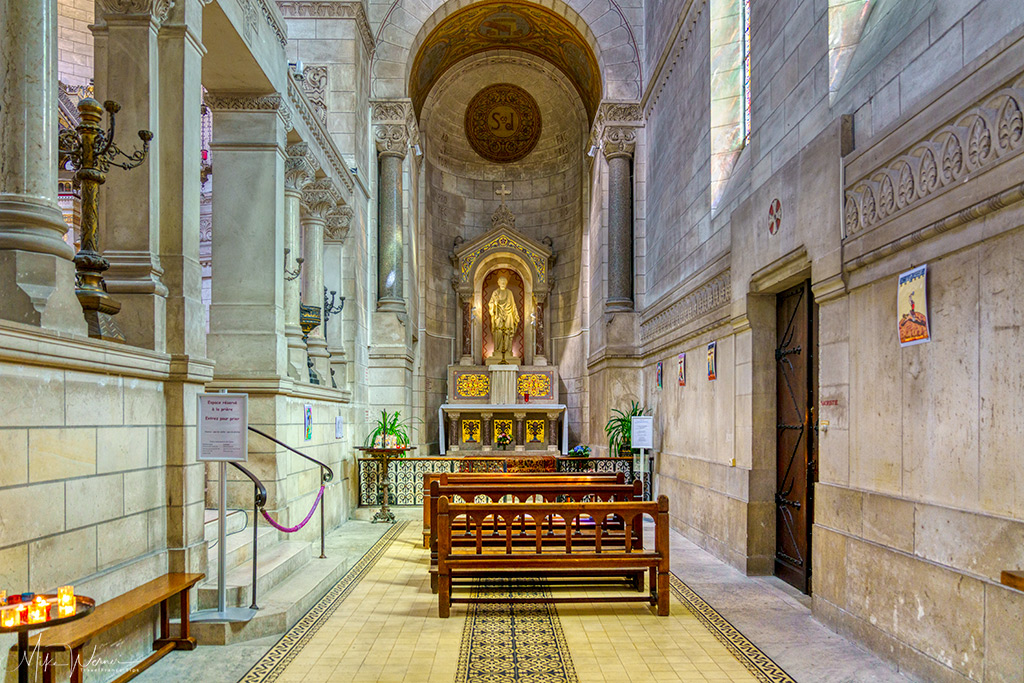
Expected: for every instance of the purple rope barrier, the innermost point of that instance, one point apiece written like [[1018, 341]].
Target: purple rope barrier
[[293, 529]]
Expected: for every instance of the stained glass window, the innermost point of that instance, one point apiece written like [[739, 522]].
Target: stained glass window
[[746, 71]]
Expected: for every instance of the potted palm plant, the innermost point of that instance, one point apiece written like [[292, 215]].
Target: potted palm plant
[[620, 428], [389, 431]]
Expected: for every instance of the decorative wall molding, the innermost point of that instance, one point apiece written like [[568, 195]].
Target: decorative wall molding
[[338, 168], [689, 16], [234, 102], [158, 9], [314, 84], [331, 9], [275, 21], [715, 293], [976, 139]]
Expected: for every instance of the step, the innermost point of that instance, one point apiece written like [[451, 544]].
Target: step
[[235, 519], [274, 566], [281, 607], [239, 547]]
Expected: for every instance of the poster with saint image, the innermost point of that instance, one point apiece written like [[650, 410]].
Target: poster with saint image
[[912, 307]]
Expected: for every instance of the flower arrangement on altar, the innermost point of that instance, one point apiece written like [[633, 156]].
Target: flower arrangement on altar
[[503, 440], [580, 451]]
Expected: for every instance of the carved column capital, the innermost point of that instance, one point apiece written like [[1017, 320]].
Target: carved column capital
[[394, 126], [157, 9], [319, 198], [339, 220], [392, 139], [618, 141], [299, 168]]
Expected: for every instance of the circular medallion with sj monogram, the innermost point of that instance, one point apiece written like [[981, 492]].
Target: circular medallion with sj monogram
[[503, 123]]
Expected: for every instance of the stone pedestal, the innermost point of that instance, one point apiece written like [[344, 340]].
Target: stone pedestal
[[36, 274], [503, 384]]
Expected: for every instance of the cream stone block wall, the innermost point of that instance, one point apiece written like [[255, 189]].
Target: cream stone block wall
[[74, 41]]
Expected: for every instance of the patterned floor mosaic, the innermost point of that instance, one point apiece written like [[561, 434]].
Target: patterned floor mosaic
[[380, 624]]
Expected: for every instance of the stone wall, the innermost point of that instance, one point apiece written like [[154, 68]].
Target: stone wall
[[74, 40]]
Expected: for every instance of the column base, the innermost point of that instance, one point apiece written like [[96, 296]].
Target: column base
[[39, 289], [296, 354], [391, 305], [317, 347]]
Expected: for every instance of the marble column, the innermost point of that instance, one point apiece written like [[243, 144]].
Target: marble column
[[247, 313], [37, 277], [128, 72], [520, 431], [339, 220], [318, 198], [552, 431], [454, 433], [392, 144], [300, 169], [487, 431], [619, 144]]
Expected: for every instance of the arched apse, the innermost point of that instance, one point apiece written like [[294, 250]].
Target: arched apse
[[406, 24]]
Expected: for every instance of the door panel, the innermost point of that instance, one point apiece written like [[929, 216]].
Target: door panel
[[795, 389]]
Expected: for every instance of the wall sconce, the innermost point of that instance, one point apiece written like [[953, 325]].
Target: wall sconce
[[290, 275]]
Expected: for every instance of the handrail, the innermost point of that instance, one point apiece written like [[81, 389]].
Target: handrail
[[260, 500], [326, 475], [261, 490]]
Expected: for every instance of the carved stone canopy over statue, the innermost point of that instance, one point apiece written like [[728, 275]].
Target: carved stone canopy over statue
[[504, 319]]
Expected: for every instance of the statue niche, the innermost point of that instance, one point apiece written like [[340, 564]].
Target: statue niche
[[503, 328]]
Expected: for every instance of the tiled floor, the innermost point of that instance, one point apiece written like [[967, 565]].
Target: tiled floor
[[387, 629]]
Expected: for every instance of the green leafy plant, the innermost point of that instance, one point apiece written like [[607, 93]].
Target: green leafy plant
[[620, 427], [390, 425]]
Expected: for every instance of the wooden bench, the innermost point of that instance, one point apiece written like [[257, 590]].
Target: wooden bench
[[503, 477], [582, 531], [473, 562], [74, 635]]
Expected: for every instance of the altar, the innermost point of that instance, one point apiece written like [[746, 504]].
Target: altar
[[503, 392]]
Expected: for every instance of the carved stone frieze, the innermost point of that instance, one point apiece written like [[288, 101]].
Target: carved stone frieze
[[713, 294], [319, 198], [273, 20], [233, 102], [315, 87], [158, 9], [331, 9], [304, 109], [975, 139], [338, 222]]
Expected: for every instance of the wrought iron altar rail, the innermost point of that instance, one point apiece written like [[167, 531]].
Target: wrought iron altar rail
[[407, 473]]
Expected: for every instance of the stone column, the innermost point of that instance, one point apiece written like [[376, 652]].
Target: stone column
[[454, 433], [486, 431], [338, 222], [300, 169], [552, 431], [619, 144], [128, 72], [180, 50], [391, 147], [520, 431], [247, 313], [37, 277], [319, 198]]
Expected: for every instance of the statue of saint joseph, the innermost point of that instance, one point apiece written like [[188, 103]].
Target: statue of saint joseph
[[504, 319]]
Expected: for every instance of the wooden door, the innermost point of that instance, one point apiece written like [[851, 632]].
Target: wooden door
[[795, 389]]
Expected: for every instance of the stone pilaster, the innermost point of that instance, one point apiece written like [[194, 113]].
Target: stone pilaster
[[246, 313], [300, 170], [318, 199], [37, 277], [128, 72]]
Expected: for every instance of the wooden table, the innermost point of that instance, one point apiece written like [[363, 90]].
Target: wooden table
[[383, 456], [83, 607]]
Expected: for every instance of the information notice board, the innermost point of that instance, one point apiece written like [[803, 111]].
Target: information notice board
[[642, 431], [223, 423]]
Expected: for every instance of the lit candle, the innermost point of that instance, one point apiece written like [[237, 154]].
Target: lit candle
[[3, 598], [9, 618], [37, 610], [66, 600]]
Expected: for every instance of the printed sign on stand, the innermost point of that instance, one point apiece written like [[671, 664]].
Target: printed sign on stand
[[641, 437], [223, 428]]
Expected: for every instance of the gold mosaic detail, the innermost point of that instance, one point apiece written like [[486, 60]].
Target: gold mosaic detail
[[472, 385], [535, 431], [504, 241], [760, 665], [502, 427], [503, 123], [471, 431], [534, 384], [508, 642], [271, 665]]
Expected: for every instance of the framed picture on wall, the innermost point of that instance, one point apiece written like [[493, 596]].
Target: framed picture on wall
[[912, 307], [712, 361], [682, 369], [659, 376], [307, 422]]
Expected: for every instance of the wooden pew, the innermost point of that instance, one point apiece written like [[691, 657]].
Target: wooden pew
[[73, 636], [505, 477], [570, 559], [547, 490]]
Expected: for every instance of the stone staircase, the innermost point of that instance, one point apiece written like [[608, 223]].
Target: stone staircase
[[290, 578]]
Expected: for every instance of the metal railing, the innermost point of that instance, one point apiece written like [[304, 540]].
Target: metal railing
[[326, 475], [260, 499]]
